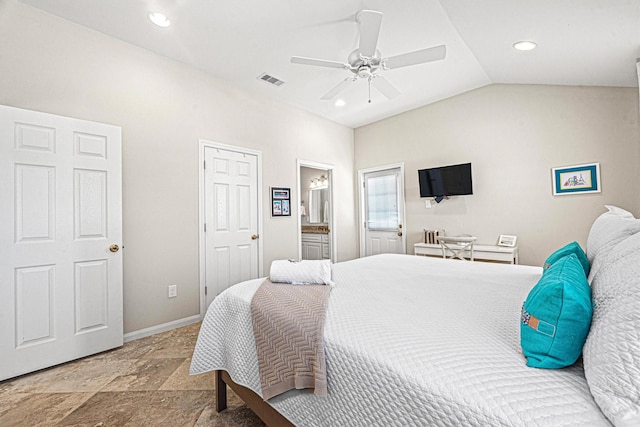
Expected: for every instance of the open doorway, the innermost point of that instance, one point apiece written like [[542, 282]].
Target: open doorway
[[316, 222]]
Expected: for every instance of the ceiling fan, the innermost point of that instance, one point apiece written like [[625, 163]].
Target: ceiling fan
[[366, 62]]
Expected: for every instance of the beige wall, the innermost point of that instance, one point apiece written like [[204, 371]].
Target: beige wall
[[513, 135], [164, 108]]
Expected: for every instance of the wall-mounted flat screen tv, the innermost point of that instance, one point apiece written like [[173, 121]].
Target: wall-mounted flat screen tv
[[454, 180]]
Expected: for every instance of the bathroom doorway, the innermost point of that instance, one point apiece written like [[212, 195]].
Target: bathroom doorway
[[316, 222]]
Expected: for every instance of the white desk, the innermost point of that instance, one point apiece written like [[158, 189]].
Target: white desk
[[480, 252]]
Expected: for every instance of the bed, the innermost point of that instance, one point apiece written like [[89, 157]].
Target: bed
[[424, 341]]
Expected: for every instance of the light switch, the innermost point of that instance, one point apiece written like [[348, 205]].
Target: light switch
[[173, 291], [427, 204]]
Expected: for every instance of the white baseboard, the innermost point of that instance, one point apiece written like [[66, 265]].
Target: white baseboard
[[152, 330]]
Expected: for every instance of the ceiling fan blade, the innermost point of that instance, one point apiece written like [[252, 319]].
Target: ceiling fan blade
[[384, 87], [370, 21], [317, 62], [339, 88], [417, 57]]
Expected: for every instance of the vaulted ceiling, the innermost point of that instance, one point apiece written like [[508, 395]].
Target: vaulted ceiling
[[580, 42]]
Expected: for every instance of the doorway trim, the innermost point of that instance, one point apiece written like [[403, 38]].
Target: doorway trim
[[203, 143], [361, 204], [332, 218]]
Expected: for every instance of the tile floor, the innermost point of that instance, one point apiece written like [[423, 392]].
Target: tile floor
[[144, 383]]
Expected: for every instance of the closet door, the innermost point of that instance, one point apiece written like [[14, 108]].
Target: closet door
[[60, 240], [231, 218]]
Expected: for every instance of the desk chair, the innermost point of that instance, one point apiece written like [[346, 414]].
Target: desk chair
[[457, 246]]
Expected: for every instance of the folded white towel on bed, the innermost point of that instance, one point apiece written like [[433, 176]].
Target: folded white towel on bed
[[305, 272]]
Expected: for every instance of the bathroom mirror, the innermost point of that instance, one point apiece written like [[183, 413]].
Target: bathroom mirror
[[316, 213], [319, 206]]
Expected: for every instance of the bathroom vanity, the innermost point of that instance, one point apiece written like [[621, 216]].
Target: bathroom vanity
[[315, 242]]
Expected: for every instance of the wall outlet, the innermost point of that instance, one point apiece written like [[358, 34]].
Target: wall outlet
[[172, 291], [427, 204]]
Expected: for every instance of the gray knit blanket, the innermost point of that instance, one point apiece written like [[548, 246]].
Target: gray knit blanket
[[288, 324]]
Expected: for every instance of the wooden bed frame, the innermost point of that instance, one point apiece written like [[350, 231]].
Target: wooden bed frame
[[262, 409]]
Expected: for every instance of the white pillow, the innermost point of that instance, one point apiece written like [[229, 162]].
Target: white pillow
[[611, 354], [609, 229], [619, 211]]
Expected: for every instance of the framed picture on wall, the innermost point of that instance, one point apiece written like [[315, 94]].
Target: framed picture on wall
[[506, 240], [578, 179], [277, 208], [280, 201], [280, 193]]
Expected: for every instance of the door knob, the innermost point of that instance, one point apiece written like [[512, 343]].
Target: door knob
[[254, 237], [114, 248], [399, 233]]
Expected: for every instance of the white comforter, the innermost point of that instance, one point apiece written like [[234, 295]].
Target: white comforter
[[412, 341]]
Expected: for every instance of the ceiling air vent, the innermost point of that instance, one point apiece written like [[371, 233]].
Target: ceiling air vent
[[270, 79]]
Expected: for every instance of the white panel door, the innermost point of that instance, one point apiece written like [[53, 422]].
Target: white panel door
[[383, 199], [231, 219], [61, 210]]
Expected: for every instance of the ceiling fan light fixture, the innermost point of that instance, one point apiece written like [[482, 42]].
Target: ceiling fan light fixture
[[525, 45], [364, 72], [366, 62], [159, 18]]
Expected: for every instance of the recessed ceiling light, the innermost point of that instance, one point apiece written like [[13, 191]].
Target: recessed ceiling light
[[524, 45], [159, 18], [340, 103]]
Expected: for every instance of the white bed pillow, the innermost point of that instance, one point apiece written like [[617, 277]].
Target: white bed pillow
[[611, 353], [607, 230], [619, 211]]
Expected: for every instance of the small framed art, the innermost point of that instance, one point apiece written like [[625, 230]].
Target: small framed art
[[506, 240], [280, 201], [578, 179]]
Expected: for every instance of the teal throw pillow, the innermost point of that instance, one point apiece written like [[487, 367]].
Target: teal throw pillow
[[571, 248], [556, 316]]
